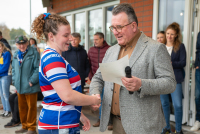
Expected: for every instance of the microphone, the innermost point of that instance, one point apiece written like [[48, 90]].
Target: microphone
[[128, 75]]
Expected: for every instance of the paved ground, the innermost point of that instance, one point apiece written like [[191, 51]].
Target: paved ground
[[86, 110]]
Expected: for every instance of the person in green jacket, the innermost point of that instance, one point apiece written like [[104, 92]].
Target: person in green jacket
[[25, 77]]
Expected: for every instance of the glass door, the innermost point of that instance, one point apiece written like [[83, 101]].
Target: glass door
[[171, 11], [195, 30]]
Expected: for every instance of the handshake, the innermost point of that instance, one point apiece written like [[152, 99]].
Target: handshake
[[97, 102]]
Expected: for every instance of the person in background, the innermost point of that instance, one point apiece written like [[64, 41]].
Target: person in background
[[197, 85], [77, 57], [8, 46], [15, 121], [161, 37], [4, 41], [33, 43], [177, 51], [5, 79], [59, 81], [25, 77], [139, 112], [95, 55]]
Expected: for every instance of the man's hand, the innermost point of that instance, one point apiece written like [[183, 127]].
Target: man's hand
[[95, 107], [132, 84], [197, 67], [30, 84]]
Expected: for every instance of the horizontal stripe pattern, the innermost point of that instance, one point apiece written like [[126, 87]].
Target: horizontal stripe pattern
[[55, 112]]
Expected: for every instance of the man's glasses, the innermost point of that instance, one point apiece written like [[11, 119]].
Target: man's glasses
[[118, 28]]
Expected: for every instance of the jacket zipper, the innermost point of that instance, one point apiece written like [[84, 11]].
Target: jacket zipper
[[98, 56], [77, 61]]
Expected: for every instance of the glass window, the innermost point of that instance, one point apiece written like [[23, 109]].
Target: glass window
[[69, 19], [80, 26], [171, 11], [110, 38], [95, 24]]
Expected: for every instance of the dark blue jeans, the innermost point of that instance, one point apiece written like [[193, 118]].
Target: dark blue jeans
[[177, 96], [197, 93], [101, 103], [75, 130]]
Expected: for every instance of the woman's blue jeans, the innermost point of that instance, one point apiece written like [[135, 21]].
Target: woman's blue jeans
[[177, 96], [5, 82], [197, 93], [75, 130]]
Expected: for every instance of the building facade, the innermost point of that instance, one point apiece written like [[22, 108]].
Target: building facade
[[90, 16]]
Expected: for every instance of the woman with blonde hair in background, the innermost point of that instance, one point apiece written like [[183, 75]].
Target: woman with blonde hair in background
[[5, 79], [59, 81], [177, 52]]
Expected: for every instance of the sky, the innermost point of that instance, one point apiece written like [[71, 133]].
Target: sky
[[16, 13]]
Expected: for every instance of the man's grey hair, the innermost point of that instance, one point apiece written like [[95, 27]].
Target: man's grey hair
[[100, 34], [76, 35], [128, 9]]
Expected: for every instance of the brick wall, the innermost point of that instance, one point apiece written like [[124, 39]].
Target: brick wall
[[143, 9], [67, 5], [144, 12]]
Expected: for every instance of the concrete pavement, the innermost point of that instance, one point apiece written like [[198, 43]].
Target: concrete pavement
[[86, 110]]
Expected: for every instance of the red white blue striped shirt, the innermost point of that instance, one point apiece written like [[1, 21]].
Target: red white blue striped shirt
[[56, 114]]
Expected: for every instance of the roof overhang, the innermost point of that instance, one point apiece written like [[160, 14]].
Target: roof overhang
[[46, 3]]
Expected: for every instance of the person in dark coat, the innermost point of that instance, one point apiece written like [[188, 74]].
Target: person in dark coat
[[177, 51], [95, 55], [197, 85], [5, 42], [77, 57]]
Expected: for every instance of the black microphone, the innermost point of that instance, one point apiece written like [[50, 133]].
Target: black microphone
[[128, 75]]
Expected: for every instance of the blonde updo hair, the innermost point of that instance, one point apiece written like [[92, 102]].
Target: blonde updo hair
[[42, 27], [4, 49], [176, 27]]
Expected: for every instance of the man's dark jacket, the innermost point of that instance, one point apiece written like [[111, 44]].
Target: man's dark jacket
[[95, 55], [78, 59], [197, 60], [5, 43]]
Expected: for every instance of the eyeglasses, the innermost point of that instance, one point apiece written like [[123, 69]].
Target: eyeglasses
[[118, 28]]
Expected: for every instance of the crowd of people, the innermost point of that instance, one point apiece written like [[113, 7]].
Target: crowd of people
[[61, 71]]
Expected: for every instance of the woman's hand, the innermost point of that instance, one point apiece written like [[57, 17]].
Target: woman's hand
[[85, 121]]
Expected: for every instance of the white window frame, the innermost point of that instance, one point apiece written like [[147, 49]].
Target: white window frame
[[86, 11]]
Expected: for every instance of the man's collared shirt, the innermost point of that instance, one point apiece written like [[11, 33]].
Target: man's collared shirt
[[125, 50]]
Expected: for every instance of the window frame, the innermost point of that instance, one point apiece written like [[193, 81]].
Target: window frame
[[86, 10]]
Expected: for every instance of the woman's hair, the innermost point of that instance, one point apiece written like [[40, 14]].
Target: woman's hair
[[34, 41], [163, 32], [42, 26], [5, 49], [177, 41]]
